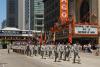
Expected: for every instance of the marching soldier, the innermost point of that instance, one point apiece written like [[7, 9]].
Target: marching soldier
[[97, 50], [42, 50], [68, 50], [28, 51], [61, 49], [50, 50], [76, 48], [56, 52], [35, 50], [65, 52]]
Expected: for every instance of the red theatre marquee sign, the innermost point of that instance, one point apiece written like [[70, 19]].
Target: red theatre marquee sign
[[63, 10]]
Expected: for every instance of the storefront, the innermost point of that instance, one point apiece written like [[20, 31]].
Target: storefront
[[85, 34]]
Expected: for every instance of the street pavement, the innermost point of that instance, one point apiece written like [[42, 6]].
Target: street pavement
[[18, 60]]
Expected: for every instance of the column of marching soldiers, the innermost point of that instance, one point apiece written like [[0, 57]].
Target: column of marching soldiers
[[57, 52]]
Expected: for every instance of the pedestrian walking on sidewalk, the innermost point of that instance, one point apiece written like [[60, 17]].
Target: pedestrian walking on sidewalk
[[9, 47]]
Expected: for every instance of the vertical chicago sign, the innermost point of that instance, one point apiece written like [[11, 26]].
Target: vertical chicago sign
[[63, 10]]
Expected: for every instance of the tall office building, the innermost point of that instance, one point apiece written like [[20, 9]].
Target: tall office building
[[25, 14], [21, 14], [34, 15], [12, 13], [16, 14]]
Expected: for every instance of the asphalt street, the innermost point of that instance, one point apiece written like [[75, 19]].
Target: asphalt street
[[18, 60]]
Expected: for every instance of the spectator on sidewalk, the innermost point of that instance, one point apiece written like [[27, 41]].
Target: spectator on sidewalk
[[9, 47]]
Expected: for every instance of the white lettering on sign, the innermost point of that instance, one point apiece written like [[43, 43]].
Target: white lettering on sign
[[86, 29]]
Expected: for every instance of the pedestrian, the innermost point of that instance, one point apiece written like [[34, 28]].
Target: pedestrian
[[9, 47]]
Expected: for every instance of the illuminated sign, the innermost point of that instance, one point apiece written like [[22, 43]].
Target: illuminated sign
[[86, 29], [63, 9]]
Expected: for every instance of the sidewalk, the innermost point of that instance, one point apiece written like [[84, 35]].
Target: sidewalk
[[19, 60]]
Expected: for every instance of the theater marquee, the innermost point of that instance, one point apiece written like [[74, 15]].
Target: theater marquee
[[86, 30]]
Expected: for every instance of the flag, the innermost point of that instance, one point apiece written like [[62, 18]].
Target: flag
[[70, 38], [54, 36], [45, 38], [40, 39], [52, 29]]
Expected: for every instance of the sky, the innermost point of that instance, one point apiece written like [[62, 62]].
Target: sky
[[2, 11]]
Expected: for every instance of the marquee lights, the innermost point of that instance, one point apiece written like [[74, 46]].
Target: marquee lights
[[63, 9]]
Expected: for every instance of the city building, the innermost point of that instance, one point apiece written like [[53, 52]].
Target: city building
[[12, 35], [16, 14], [21, 14], [34, 15], [12, 13], [99, 20], [76, 17], [3, 25], [25, 14]]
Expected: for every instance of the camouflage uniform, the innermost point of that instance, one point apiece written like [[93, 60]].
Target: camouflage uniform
[[61, 50], [56, 52], [42, 50], [76, 48]]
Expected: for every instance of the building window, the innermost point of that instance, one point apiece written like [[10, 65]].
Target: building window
[[39, 22], [39, 16], [39, 28]]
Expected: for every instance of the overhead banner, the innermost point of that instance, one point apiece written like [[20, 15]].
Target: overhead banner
[[63, 10], [86, 29]]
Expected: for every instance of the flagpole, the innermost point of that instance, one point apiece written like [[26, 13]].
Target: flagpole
[[54, 34]]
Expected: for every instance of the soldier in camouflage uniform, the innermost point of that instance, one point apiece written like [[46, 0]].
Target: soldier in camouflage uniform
[[49, 50], [56, 52], [61, 50], [68, 49], [42, 50], [28, 51], [65, 52], [35, 50], [76, 48]]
